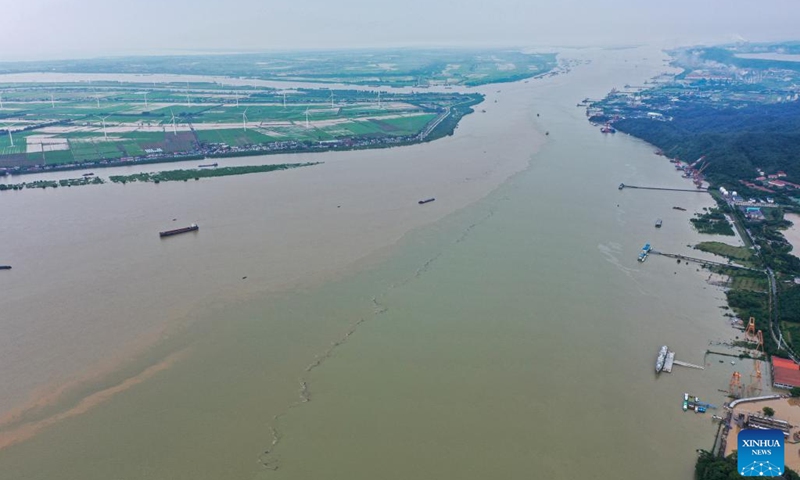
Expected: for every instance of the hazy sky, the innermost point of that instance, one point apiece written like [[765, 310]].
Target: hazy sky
[[44, 29]]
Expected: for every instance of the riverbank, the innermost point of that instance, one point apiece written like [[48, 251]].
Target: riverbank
[[792, 234]]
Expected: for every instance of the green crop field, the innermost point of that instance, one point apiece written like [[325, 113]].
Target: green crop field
[[238, 138], [58, 157], [725, 250], [210, 122]]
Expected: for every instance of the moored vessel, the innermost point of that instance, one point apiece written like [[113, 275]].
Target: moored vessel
[[607, 128], [645, 251], [662, 356]]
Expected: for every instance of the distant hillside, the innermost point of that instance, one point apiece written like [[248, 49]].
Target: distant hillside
[[735, 141]]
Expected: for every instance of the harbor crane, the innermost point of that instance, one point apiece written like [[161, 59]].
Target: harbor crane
[[750, 332], [697, 161]]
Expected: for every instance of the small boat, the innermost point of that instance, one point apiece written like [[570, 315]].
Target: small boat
[[90, 174], [191, 228], [645, 251], [608, 129], [427, 200], [621, 186], [679, 208], [658, 223]]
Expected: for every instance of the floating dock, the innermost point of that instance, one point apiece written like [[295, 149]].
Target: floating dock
[[668, 362], [645, 251]]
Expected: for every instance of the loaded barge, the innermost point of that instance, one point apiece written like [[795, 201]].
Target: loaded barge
[[5, 267], [191, 228]]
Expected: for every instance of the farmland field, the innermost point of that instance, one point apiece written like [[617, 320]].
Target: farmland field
[[65, 124]]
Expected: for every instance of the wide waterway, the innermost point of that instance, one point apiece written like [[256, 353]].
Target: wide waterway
[[502, 336]]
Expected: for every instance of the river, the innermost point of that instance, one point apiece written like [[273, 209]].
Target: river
[[321, 324]]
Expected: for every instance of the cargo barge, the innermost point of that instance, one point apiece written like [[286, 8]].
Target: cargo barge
[[5, 267], [427, 200], [210, 165], [191, 228]]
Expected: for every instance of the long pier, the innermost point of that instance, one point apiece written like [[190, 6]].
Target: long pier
[[696, 190], [687, 364]]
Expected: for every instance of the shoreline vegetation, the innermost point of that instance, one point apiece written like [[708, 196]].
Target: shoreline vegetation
[[158, 177], [197, 174]]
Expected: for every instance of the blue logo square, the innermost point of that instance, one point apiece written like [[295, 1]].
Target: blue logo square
[[760, 453]]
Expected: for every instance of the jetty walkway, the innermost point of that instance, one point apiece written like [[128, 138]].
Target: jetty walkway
[[695, 190]]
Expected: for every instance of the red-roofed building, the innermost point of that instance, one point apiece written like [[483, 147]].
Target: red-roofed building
[[785, 373]]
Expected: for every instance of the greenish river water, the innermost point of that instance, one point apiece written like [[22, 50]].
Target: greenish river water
[[515, 338]]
